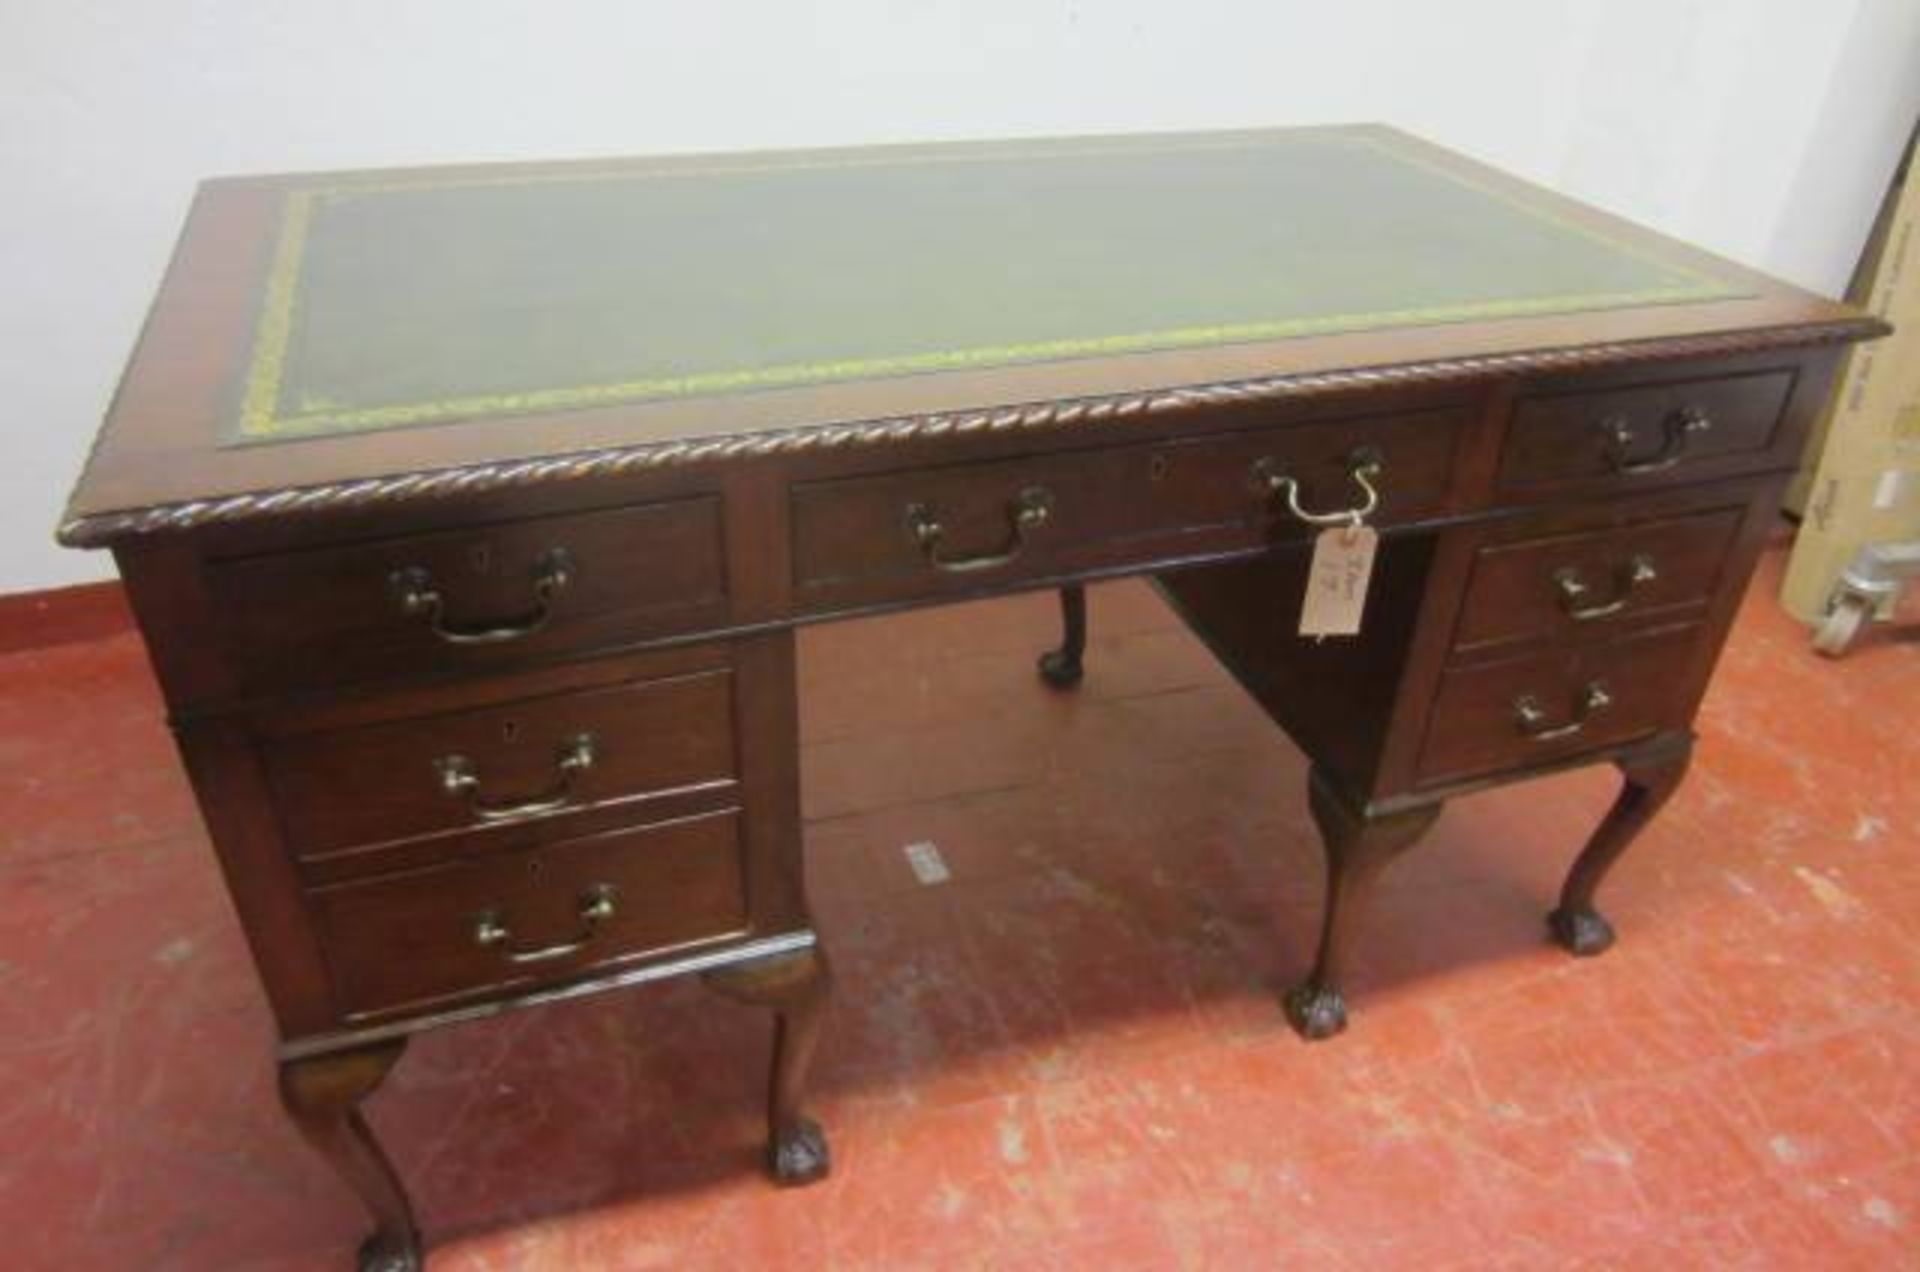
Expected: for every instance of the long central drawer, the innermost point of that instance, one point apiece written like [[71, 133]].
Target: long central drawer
[[960, 527]]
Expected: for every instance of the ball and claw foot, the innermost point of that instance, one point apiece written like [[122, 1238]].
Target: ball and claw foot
[[1060, 669], [799, 1155], [379, 1253], [1316, 1011], [1582, 933]]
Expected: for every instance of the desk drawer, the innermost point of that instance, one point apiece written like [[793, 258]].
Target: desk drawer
[[1646, 434], [465, 599], [515, 920], [1522, 711], [484, 769], [964, 526], [1588, 582]]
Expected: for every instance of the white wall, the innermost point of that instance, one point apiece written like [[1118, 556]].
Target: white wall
[[1764, 129]]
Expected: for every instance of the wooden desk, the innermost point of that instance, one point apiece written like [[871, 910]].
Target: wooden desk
[[468, 514]]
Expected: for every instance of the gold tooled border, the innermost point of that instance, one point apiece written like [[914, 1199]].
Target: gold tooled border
[[260, 420]]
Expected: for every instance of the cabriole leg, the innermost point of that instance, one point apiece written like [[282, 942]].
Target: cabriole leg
[[322, 1095], [796, 986], [1649, 780], [1358, 849], [1061, 667]]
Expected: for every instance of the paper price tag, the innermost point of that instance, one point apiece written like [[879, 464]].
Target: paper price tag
[[1337, 581]]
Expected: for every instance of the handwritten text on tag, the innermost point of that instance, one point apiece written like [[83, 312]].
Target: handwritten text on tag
[[1337, 581]]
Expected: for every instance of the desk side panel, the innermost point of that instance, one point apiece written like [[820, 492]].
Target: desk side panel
[[1336, 697]]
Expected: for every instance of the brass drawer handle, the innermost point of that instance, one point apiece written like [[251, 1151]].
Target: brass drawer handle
[[1268, 480], [1617, 440], [1573, 591], [1531, 718], [415, 595], [1026, 512], [597, 905], [459, 779]]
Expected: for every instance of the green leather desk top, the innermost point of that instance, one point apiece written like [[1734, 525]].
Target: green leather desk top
[[419, 299], [341, 339]]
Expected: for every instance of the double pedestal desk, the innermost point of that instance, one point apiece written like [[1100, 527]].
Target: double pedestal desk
[[469, 513]]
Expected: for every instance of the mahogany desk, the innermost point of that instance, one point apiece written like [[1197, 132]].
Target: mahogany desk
[[468, 514]]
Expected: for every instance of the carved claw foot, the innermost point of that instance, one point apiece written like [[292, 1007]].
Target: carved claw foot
[[322, 1094], [380, 1253], [798, 1155], [1582, 933], [1649, 778], [1061, 669], [1316, 1012], [795, 985]]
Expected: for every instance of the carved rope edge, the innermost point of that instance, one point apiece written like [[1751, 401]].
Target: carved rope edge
[[101, 529]]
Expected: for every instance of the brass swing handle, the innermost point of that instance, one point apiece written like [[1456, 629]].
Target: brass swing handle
[[416, 596], [1026, 512], [1573, 590], [597, 905], [1682, 424], [1269, 480], [1531, 718], [459, 779]]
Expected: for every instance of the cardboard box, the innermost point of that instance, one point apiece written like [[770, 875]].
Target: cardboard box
[[1866, 486], [1859, 292]]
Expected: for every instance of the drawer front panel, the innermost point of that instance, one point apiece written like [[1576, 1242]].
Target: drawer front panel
[[472, 598], [471, 771], [1524, 711], [515, 920], [1564, 586], [952, 528], [1648, 434]]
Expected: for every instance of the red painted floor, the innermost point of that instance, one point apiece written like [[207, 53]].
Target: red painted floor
[[1069, 1055]]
